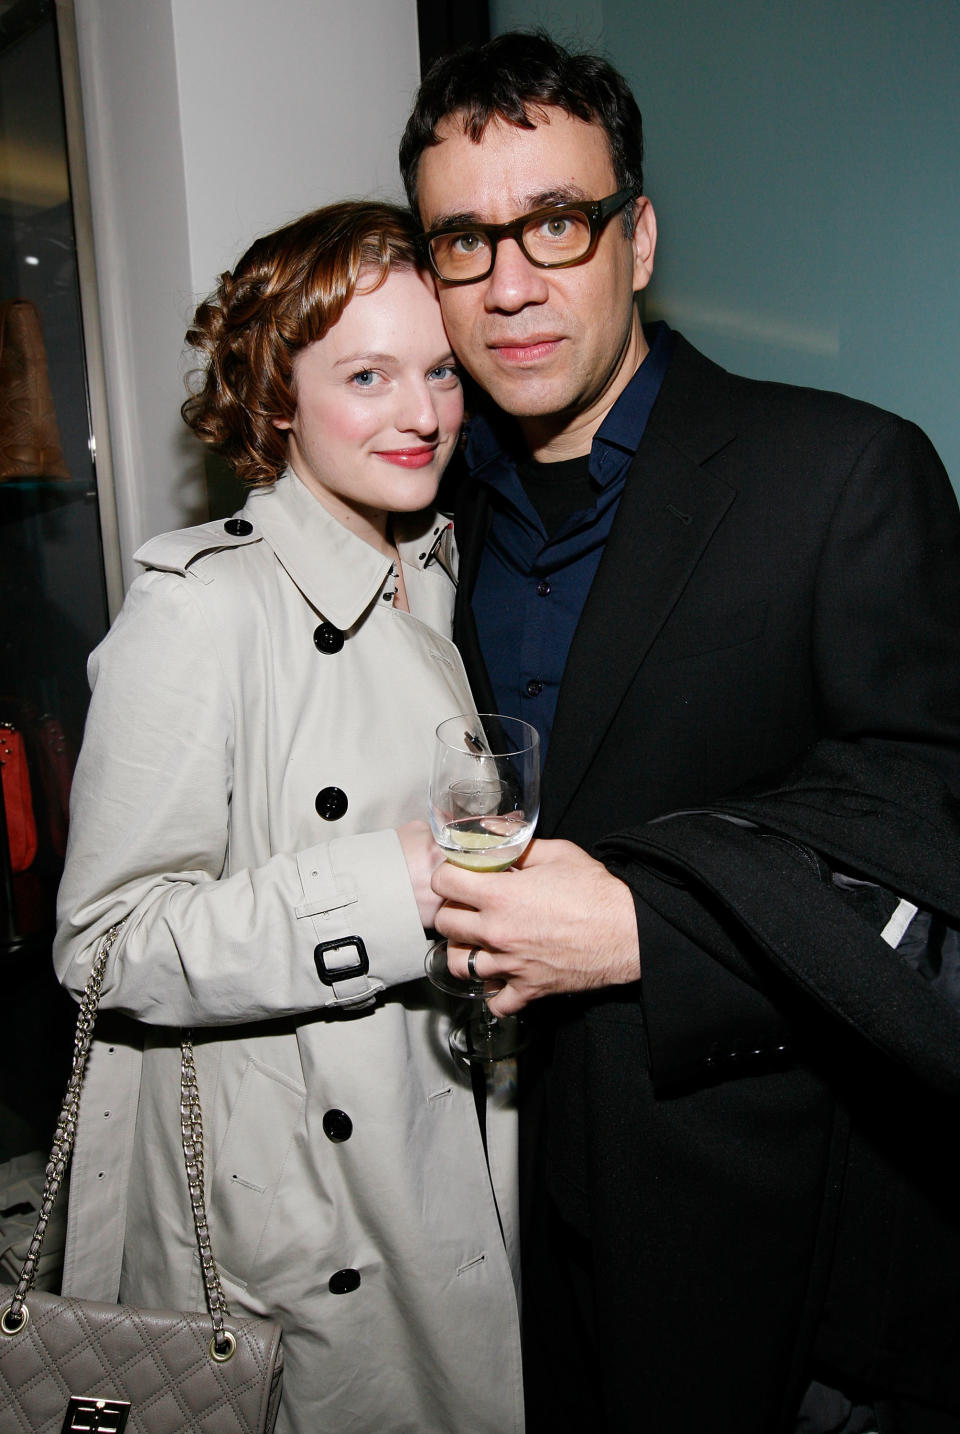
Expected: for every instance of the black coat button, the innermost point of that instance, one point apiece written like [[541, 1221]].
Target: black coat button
[[543, 587], [238, 527], [331, 804], [343, 1282], [327, 638], [534, 687], [337, 1126]]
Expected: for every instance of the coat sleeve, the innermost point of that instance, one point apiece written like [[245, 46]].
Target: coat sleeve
[[885, 643], [149, 837], [761, 898]]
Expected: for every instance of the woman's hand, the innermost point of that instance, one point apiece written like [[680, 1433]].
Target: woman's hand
[[422, 856]]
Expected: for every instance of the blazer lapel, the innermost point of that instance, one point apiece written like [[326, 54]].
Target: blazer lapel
[[668, 513]]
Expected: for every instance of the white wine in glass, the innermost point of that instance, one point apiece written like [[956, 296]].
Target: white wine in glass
[[484, 803], [483, 843]]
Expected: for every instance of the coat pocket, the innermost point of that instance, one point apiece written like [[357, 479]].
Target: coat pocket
[[266, 1117], [691, 631]]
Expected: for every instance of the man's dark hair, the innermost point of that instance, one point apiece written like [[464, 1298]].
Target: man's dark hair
[[511, 78]]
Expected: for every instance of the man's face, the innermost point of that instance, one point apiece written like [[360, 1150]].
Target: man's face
[[554, 347]]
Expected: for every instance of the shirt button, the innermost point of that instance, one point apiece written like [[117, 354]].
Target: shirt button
[[238, 527], [331, 804], [337, 1126], [343, 1282], [534, 687], [327, 638], [543, 587]]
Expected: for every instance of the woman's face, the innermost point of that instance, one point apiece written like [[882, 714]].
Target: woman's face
[[379, 406]]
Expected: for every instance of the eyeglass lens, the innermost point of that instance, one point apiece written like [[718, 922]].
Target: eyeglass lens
[[557, 238]]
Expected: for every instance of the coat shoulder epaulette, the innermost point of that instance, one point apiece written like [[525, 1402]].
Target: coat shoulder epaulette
[[175, 552]]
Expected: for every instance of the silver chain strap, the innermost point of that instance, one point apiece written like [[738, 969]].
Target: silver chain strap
[[191, 1128], [14, 1315]]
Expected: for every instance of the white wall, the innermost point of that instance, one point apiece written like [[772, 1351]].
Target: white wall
[[208, 122], [285, 105], [138, 197]]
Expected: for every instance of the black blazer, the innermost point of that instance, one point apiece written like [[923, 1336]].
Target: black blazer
[[783, 572]]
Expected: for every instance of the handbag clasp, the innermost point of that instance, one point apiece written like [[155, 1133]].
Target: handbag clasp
[[86, 1414]]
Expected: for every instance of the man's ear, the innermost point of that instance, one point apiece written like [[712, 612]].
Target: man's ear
[[644, 242]]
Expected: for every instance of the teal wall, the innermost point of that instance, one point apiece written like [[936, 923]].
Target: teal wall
[[803, 158]]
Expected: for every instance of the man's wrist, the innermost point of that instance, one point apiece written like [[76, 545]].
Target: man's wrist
[[626, 958]]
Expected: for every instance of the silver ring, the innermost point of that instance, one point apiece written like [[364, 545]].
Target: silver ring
[[472, 964]]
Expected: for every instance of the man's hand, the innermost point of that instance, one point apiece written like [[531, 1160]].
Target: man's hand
[[556, 922]]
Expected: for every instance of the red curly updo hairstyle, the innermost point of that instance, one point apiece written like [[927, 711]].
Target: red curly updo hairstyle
[[289, 288]]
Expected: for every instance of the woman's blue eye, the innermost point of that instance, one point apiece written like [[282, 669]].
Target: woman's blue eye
[[365, 378], [444, 371]]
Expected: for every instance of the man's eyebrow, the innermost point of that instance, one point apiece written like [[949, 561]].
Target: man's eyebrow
[[544, 199], [464, 218], [566, 194]]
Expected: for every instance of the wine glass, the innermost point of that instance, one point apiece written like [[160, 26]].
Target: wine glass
[[484, 803]]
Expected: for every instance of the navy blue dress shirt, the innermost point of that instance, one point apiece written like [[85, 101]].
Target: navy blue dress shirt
[[531, 587]]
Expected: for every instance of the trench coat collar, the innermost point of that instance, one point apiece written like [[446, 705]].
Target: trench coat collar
[[338, 573]]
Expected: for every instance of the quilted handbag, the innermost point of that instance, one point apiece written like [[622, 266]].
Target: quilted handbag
[[77, 1365]]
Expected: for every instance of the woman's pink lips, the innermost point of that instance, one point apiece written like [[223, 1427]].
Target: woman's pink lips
[[409, 457]]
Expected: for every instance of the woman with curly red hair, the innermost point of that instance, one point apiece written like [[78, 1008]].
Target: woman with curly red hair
[[249, 800]]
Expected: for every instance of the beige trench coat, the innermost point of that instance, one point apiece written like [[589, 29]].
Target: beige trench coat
[[257, 678]]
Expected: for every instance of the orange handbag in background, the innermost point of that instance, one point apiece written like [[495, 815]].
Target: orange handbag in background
[[29, 435], [17, 802]]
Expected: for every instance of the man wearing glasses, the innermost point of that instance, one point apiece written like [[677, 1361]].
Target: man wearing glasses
[[732, 609]]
